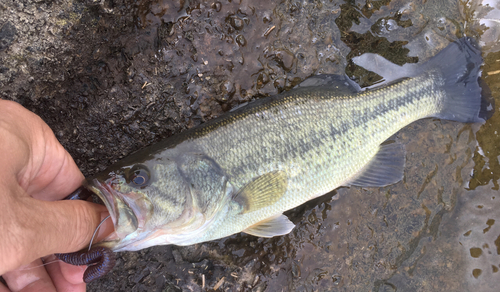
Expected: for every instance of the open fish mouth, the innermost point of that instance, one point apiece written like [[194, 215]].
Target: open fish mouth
[[105, 193], [124, 218]]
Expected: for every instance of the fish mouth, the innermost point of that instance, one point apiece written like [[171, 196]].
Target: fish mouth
[[124, 219], [105, 194]]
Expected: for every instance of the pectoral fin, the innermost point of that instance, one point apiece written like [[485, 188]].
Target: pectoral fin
[[386, 168], [264, 191], [274, 226]]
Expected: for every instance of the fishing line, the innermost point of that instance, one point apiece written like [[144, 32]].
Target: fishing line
[[43, 264], [95, 231]]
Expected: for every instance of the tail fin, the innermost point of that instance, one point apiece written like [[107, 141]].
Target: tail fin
[[466, 100]]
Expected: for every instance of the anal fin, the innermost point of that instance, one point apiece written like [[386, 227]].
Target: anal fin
[[386, 168], [274, 226]]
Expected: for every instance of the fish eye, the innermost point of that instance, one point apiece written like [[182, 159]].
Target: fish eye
[[139, 176]]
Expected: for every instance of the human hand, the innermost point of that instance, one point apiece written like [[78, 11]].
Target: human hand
[[36, 172]]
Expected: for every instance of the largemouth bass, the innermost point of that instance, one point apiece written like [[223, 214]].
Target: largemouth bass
[[240, 172]]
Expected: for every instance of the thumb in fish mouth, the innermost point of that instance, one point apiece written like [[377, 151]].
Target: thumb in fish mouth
[[100, 260]]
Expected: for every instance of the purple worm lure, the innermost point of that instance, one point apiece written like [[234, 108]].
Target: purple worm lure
[[100, 260]]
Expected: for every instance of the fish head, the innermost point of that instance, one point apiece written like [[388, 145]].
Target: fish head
[[149, 202]]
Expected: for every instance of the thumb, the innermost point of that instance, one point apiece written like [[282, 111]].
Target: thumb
[[46, 227], [72, 224]]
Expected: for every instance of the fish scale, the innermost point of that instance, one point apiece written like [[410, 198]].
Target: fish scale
[[314, 155]]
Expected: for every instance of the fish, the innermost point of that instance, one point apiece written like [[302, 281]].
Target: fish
[[240, 172]]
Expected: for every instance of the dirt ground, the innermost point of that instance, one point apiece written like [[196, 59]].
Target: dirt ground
[[113, 76]]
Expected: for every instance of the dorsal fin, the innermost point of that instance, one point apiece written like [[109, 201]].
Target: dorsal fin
[[390, 72], [341, 84]]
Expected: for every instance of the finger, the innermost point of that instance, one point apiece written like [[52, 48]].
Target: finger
[[55, 227], [19, 126], [44, 169], [32, 277], [3, 288], [66, 277], [58, 175], [71, 224]]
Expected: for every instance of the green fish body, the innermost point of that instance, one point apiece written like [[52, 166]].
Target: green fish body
[[242, 171]]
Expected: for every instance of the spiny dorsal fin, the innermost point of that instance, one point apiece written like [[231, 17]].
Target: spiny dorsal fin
[[274, 226], [264, 191], [386, 168]]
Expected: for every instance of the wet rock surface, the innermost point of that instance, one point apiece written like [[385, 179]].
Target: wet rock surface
[[111, 77]]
